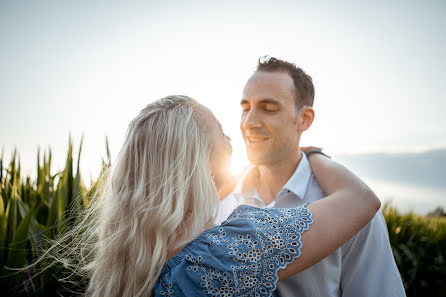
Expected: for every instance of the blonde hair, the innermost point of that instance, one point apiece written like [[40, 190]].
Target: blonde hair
[[158, 197]]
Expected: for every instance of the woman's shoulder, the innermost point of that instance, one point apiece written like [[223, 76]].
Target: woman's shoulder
[[239, 257]]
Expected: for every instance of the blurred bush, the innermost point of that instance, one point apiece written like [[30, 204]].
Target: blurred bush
[[419, 247]]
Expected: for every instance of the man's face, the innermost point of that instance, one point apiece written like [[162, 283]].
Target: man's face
[[269, 118]]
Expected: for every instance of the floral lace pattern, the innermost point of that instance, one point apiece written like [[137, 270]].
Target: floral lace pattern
[[241, 257]]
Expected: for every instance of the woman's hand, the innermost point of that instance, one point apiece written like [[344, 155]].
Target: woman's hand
[[306, 149]]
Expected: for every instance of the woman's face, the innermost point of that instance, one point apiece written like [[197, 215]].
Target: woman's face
[[221, 154], [221, 157]]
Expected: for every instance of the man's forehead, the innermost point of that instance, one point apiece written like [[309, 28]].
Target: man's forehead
[[273, 77], [268, 85]]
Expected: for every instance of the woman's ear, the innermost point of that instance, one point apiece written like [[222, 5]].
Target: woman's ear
[[306, 117]]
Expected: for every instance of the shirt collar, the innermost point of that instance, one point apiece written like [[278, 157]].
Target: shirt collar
[[297, 183]]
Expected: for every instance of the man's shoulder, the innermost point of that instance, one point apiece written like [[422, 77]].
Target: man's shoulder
[[373, 234]]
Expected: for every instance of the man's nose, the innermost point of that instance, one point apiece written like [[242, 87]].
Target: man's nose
[[251, 120]]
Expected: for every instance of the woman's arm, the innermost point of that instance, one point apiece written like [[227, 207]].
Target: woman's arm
[[349, 206]]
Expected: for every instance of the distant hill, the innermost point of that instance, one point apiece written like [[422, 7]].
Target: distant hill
[[424, 169]]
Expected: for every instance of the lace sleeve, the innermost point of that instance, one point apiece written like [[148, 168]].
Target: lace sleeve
[[241, 257], [260, 242]]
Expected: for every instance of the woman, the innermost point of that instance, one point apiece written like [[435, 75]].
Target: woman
[[154, 233]]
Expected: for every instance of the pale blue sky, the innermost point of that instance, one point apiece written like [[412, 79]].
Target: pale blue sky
[[89, 66]]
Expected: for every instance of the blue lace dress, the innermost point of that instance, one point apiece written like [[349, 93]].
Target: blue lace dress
[[240, 257]]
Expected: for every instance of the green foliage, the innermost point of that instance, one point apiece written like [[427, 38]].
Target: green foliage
[[419, 247], [31, 212]]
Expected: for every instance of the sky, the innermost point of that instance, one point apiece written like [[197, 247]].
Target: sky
[[410, 181], [88, 67]]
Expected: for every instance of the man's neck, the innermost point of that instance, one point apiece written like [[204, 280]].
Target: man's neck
[[273, 177]]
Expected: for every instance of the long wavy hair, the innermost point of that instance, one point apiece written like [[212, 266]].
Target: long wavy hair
[[158, 197]]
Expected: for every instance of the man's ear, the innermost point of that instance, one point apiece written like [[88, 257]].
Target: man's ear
[[306, 117]]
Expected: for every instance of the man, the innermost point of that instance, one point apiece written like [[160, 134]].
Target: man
[[276, 109]]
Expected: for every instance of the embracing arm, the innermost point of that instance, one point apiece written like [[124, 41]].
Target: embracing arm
[[349, 206]]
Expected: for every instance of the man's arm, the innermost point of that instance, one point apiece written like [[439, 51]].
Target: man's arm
[[368, 267]]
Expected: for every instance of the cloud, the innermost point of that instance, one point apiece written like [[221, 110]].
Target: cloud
[[425, 169]]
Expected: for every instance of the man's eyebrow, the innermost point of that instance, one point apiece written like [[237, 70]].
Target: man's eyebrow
[[264, 101], [269, 101]]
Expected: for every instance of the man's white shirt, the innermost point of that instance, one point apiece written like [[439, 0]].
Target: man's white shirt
[[362, 267]]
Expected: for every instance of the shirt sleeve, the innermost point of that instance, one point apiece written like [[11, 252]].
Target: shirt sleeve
[[363, 275]]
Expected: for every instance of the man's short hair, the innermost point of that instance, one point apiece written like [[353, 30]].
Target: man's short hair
[[302, 82]]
